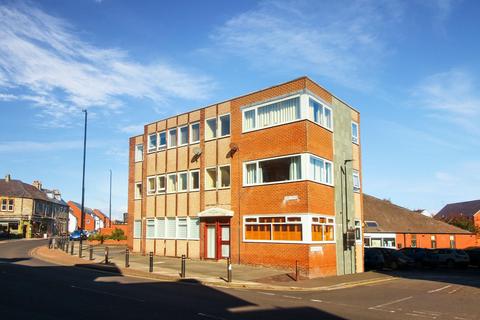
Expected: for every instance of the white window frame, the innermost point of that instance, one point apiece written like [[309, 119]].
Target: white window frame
[[164, 189], [137, 234], [305, 220], [177, 228], [219, 125], [355, 139], [219, 178], [216, 178], [323, 173], [180, 136], [191, 130], [11, 207], [215, 132], [4, 206], [138, 194], [154, 190], [323, 120], [178, 181], [356, 178], [152, 148], [188, 220], [190, 175], [189, 235], [148, 223], [138, 154], [162, 146], [358, 227], [169, 141]]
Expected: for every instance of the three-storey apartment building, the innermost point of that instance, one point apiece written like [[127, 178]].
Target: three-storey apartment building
[[269, 178]]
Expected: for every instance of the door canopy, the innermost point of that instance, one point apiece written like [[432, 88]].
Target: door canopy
[[215, 212]]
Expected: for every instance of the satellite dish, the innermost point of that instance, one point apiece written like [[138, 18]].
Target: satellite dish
[[197, 151]]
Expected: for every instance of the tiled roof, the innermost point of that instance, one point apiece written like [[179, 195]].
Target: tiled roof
[[78, 205], [396, 219], [453, 210], [19, 189]]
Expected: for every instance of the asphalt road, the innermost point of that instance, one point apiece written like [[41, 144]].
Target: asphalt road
[[33, 289]]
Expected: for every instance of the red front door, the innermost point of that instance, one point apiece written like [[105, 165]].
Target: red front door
[[217, 239]]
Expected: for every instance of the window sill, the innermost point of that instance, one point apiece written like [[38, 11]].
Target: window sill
[[281, 182]]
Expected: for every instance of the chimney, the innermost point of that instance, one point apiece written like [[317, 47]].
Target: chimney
[[7, 178], [56, 194], [37, 184]]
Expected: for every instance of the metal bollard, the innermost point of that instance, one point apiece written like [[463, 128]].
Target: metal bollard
[[150, 269], [182, 272], [90, 249], [80, 249], [66, 246], [127, 258], [106, 255], [72, 248], [229, 270], [296, 270]]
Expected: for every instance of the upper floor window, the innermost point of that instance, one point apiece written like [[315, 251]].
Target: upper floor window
[[354, 132], [195, 132], [152, 142], [138, 190], [138, 152], [356, 181], [172, 182], [319, 113], [182, 181], [320, 170], [183, 136], [161, 184], [194, 180], [151, 185], [273, 170], [224, 125], [224, 176], [210, 128], [271, 114], [172, 138], [358, 231], [4, 205], [162, 140]]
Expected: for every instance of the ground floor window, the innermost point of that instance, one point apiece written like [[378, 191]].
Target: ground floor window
[[173, 228], [433, 241], [289, 228], [137, 228], [414, 241], [452, 242], [380, 240]]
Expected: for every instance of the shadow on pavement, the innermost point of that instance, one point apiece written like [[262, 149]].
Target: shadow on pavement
[[62, 292]]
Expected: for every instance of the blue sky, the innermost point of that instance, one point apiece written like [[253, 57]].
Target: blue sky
[[410, 67]]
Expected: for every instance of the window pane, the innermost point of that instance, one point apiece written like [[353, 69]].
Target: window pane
[[249, 119], [162, 136], [328, 172], [354, 132], [172, 183], [195, 180], [225, 176], [327, 116], [225, 125], [317, 232], [279, 112], [258, 232], [151, 185], [329, 233], [171, 227], [182, 181], [211, 128], [316, 111], [172, 138], [150, 228], [211, 178], [251, 173], [283, 169], [182, 228], [161, 227], [152, 142], [194, 228], [195, 132], [139, 152], [137, 229], [138, 190], [287, 232], [183, 135], [161, 184]]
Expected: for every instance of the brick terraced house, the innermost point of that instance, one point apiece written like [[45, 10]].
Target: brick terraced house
[[268, 178]]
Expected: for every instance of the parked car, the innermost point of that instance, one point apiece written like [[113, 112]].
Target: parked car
[[452, 257], [474, 255], [77, 235], [373, 259], [394, 259], [421, 256]]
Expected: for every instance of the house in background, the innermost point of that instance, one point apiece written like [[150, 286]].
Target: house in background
[[469, 210], [390, 226], [269, 178], [94, 218], [29, 210]]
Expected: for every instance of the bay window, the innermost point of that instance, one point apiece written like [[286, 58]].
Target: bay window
[[320, 113], [273, 170], [320, 170]]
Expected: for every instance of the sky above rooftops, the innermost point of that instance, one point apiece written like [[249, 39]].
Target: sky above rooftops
[[411, 69]]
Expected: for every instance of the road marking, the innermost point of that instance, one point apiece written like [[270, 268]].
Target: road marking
[[107, 293], [267, 293], [378, 307], [292, 297], [209, 316], [420, 315], [440, 289], [315, 300], [453, 291]]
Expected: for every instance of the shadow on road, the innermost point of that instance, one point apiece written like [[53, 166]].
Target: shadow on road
[[62, 292]]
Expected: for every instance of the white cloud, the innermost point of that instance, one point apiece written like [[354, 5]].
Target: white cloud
[[132, 129], [339, 41], [61, 73], [36, 146], [452, 96]]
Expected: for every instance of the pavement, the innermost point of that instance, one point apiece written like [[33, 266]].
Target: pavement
[[36, 289], [204, 272]]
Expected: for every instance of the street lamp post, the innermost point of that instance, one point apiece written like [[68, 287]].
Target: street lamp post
[[82, 219], [110, 203]]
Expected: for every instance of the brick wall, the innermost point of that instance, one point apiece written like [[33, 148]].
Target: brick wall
[[462, 241]]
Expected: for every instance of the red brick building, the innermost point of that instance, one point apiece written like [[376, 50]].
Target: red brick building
[[390, 226], [94, 218], [269, 178], [469, 210]]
